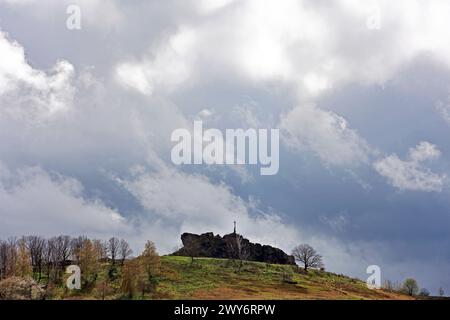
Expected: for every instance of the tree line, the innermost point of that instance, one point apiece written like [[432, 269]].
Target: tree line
[[101, 262]]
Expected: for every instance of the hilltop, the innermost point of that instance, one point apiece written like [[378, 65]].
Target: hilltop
[[233, 246]]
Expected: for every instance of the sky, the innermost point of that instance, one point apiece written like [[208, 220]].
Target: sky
[[360, 91]]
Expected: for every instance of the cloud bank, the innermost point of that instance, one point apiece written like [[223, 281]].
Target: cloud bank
[[86, 118]]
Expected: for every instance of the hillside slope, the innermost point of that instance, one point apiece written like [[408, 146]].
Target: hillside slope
[[208, 278]]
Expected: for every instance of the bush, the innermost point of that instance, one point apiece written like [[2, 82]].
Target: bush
[[424, 292], [298, 270], [287, 277], [16, 288], [410, 287]]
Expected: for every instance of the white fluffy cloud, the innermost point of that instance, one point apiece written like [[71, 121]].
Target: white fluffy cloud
[[211, 6], [310, 48], [30, 93], [16, 1], [443, 108], [424, 151], [412, 174], [326, 134], [36, 202], [169, 67], [313, 46]]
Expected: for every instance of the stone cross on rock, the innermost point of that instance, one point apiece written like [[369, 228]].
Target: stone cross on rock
[[234, 227]]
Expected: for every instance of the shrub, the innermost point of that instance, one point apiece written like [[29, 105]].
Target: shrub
[[410, 287], [15, 288], [424, 292], [287, 277]]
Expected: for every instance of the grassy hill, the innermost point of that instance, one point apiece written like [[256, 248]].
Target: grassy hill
[[208, 278]]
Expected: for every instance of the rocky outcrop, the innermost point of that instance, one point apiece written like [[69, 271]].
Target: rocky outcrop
[[230, 246]]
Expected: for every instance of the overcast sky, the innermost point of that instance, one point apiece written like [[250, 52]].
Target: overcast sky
[[360, 91]]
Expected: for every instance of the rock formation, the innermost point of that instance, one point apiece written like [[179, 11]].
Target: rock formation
[[230, 246]]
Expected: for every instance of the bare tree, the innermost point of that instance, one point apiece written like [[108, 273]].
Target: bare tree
[[441, 292], [23, 265], [3, 258], [11, 256], [49, 255], [388, 285], [124, 250], [410, 287], [306, 255], [102, 249], [36, 246], [76, 246], [113, 249], [63, 249], [8, 257], [58, 254], [424, 292]]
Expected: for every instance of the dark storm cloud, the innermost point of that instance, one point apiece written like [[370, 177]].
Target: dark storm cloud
[[346, 98]]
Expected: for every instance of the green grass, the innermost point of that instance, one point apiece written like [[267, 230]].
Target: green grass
[[208, 278]]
